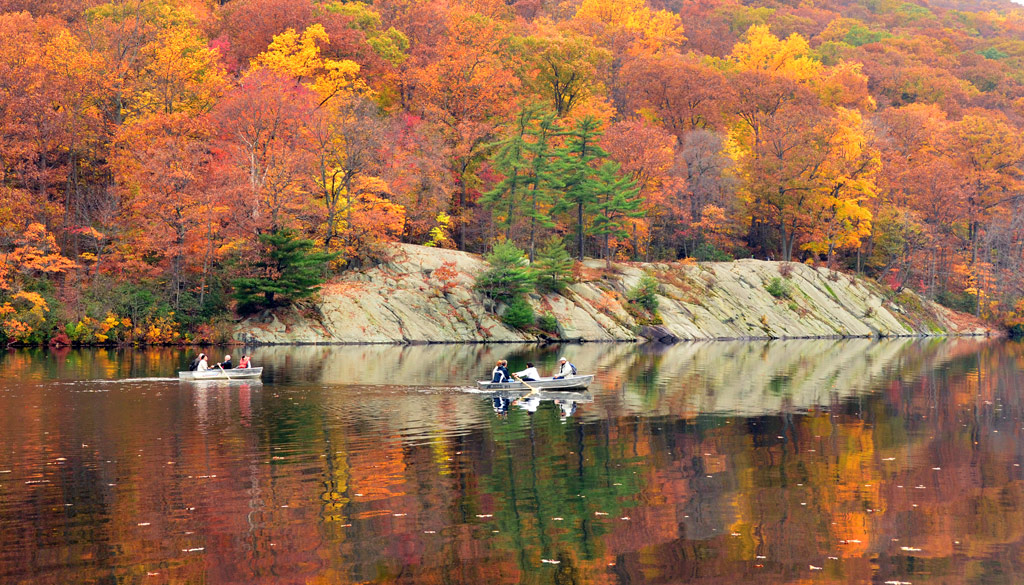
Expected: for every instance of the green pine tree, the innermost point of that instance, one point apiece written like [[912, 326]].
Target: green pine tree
[[575, 165], [553, 266], [546, 180], [508, 277], [289, 270], [524, 160], [616, 198], [511, 159]]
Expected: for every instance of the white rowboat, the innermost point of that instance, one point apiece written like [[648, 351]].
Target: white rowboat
[[570, 383], [219, 374]]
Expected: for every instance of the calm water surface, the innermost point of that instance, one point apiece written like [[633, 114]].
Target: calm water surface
[[783, 462]]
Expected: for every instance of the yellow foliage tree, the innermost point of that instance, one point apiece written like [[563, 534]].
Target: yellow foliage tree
[[298, 56], [35, 253], [762, 51], [645, 30], [180, 73]]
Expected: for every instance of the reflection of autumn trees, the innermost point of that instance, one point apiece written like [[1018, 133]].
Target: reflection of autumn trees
[[353, 484]]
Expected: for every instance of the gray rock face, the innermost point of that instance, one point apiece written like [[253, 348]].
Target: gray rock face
[[425, 295]]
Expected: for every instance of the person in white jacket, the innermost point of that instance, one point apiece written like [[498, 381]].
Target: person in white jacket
[[565, 369], [530, 374]]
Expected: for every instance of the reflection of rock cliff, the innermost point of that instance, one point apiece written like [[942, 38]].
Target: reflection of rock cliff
[[751, 379], [686, 379], [426, 295]]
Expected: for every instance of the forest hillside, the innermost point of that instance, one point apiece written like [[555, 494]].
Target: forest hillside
[[170, 166]]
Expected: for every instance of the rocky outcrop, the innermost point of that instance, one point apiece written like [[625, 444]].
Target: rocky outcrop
[[425, 295]]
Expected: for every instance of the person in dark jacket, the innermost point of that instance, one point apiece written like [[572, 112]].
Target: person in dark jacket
[[226, 364]]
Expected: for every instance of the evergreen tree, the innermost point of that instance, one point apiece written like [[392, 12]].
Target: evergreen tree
[[511, 160], [524, 160], [553, 267], [575, 164], [508, 277], [546, 180], [288, 271], [616, 199]]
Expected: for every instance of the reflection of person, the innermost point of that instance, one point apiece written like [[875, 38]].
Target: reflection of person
[[500, 404], [529, 403], [568, 407], [565, 369], [244, 362], [530, 374]]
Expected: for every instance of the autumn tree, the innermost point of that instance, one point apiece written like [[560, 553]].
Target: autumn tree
[[468, 90], [415, 168], [161, 165], [800, 160], [262, 130], [680, 92], [561, 67], [647, 155], [345, 141]]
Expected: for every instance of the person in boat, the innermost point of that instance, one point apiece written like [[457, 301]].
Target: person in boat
[[224, 365], [195, 363], [244, 362], [504, 370], [530, 374], [202, 366], [565, 369], [497, 375]]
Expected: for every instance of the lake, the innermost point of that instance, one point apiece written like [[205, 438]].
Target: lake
[[828, 461]]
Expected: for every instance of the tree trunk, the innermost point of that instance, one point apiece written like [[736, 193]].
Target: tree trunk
[[579, 229]]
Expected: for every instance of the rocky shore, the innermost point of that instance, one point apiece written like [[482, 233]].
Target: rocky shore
[[425, 295]]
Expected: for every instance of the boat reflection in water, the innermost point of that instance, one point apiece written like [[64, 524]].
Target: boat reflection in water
[[530, 401]]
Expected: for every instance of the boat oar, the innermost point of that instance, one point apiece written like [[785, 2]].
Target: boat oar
[[223, 371], [532, 389]]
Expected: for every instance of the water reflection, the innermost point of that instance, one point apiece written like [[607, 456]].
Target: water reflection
[[781, 462]]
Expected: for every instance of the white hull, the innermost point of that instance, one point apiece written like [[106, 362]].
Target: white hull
[[219, 374], [571, 383]]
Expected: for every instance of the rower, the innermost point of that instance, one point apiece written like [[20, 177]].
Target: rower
[[224, 365], [530, 374]]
